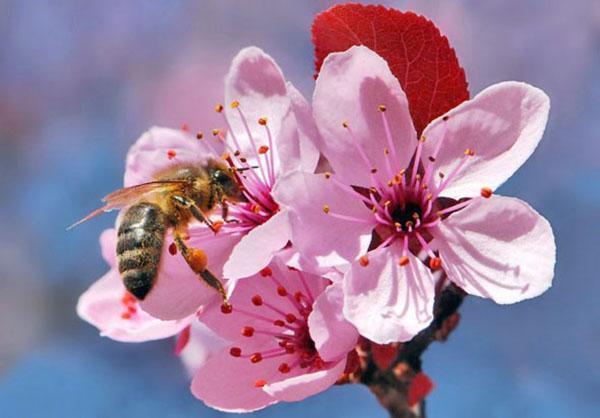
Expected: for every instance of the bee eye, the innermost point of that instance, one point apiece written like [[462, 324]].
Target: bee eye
[[221, 177]]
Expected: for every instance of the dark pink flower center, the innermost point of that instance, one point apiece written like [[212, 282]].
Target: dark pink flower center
[[282, 327]]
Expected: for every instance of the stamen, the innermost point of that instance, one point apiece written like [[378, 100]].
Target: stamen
[[363, 260], [260, 383], [218, 108], [435, 263], [486, 192], [235, 351]]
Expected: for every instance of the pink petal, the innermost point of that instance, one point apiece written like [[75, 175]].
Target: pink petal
[[161, 148], [316, 234], [202, 345], [227, 383], [256, 82], [309, 137], [102, 307], [350, 88], [256, 249], [388, 302], [333, 335], [305, 385], [499, 248], [178, 291], [108, 245], [503, 125]]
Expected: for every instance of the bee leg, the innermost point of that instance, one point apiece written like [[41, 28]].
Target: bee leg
[[225, 212], [194, 210], [197, 260]]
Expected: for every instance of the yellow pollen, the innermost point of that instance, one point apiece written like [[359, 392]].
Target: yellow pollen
[[398, 225], [372, 189], [256, 208], [218, 108], [401, 172], [429, 196], [326, 209], [216, 132], [423, 138], [382, 108], [234, 104], [469, 152], [262, 121]]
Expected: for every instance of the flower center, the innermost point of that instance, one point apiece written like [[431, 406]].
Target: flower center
[[406, 215], [281, 324]]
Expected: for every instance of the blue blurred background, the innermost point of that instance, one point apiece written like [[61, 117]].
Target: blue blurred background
[[79, 81]]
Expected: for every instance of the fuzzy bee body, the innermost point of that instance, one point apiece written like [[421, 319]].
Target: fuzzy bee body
[[139, 245], [177, 196]]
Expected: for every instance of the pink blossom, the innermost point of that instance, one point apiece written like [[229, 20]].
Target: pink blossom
[[287, 340], [269, 133], [397, 222]]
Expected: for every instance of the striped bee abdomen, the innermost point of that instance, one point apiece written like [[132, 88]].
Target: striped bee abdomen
[[139, 246]]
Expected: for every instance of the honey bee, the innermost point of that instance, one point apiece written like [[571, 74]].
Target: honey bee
[[178, 195]]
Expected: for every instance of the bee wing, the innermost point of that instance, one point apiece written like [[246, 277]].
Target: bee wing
[[129, 195]]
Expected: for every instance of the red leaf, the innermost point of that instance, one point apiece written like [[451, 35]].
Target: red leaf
[[417, 53], [420, 387]]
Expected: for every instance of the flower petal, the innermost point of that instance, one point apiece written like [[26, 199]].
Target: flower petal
[[108, 245], [333, 335], [309, 136], [388, 302], [317, 234], [498, 248], [256, 82], [300, 387], [350, 88], [228, 384], [102, 307], [503, 125], [256, 249], [160, 148], [178, 291], [202, 345]]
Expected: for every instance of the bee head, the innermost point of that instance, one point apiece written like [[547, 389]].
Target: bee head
[[224, 179]]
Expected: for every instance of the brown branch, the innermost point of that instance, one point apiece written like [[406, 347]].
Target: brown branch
[[392, 384]]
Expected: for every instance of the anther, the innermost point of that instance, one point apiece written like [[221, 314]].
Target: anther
[[403, 260], [363, 260], [382, 108], [435, 263], [235, 351], [199, 135], [373, 170], [243, 159], [257, 300], [387, 203], [131, 309], [226, 308], [327, 175], [445, 118], [386, 151], [486, 192], [234, 104], [390, 183], [218, 108], [345, 124], [256, 357], [469, 152], [432, 158], [237, 153], [185, 127], [126, 315], [326, 208], [262, 121], [442, 175], [291, 318], [216, 132], [423, 138], [247, 331], [263, 149], [172, 248], [278, 323], [171, 154], [284, 368], [266, 272], [281, 291], [260, 383]]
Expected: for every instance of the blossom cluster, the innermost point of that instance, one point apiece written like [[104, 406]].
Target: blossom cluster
[[350, 226]]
